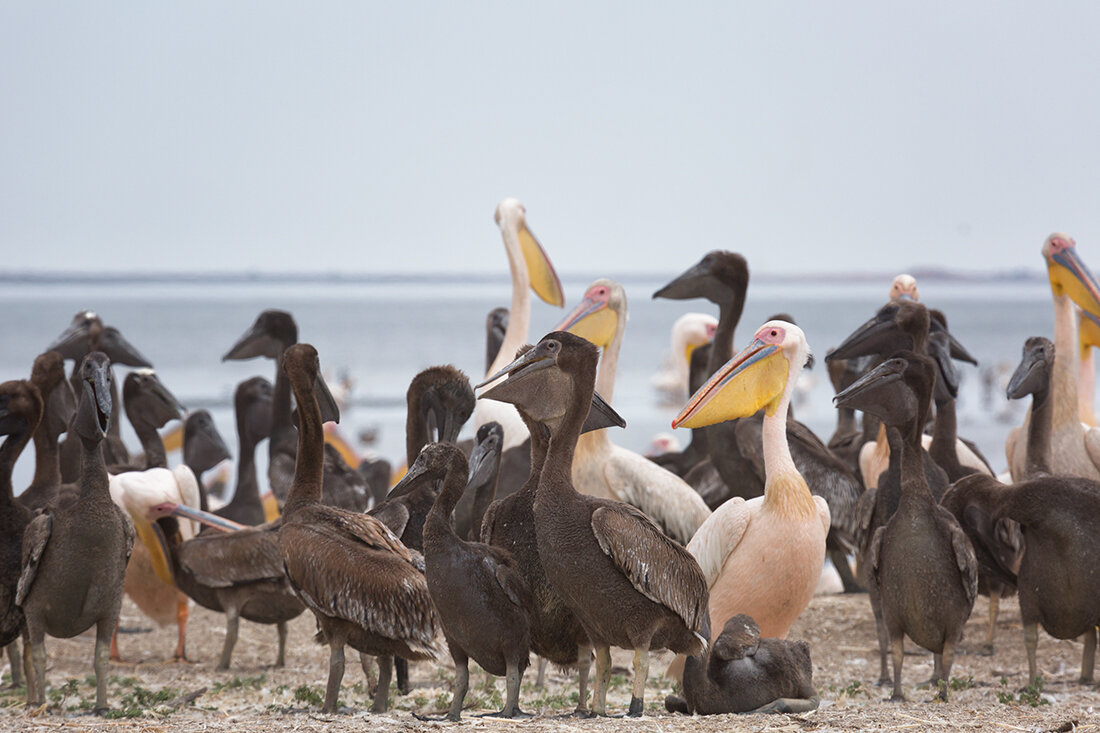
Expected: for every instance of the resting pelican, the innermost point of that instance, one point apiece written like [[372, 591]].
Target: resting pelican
[[1075, 449], [690, 331], [761, 557], [1088, 336], [603, 469], [531, 269]]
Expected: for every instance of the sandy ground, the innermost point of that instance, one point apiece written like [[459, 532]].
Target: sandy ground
[[253, 696]]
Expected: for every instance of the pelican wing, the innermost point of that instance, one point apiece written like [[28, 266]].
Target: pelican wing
[[351, 567], [222, 560], [965, 559], [393, 514], [488, 521], [35, 538], [719, 535], [1092, 444], [502, 567], [662, 495], [656, 566]]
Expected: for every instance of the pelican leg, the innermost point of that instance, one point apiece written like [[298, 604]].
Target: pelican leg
[[461, 684], [1031, 642], [366, 661], [787, 705], [898, 651], [280, 659], [883, 643], [115, 656], [16, 660], [28, 664], [641, 672], [603, 677], [99, 662], [382, 694], [844, 570], [232, 625], [34, 664], [994, 605], [1088, 655], [182, 612], [335, 671], [584, 665], [402, 666], [946, 660], [540, 680]]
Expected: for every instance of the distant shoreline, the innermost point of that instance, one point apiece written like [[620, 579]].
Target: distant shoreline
[[260, 278]]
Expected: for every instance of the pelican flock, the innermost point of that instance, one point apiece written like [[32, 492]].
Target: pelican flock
[[540, 539]]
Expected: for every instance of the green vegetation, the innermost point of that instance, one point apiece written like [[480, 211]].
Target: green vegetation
[[1031, 695]]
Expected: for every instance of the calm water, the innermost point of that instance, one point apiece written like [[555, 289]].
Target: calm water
[[381, 335]]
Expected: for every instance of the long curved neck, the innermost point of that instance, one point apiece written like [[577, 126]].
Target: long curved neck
[[914, 485], [151, 444], [1064, 373], [944, 434], [609, 363], [414, 431], [729, 315], [519, 319], [1038, 435], [47, 467], [539, 446], [438, 520], [305, 489], [557, 471], [1086, 386], [280, 399], [247, 490], [9, 452], [784, 488], [93, 470]]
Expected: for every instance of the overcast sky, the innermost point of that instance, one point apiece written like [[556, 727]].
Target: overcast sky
[[378, 137]]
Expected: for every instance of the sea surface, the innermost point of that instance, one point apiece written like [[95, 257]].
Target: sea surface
[[378, 335]]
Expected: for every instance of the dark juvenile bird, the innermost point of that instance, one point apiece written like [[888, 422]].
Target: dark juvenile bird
[[743, 673], [481, 488], [920, 559], [74, 558], [252, 410], [365, 588], [149, 407], [629, 584], [476, 588], [203, 445], [48, 375]]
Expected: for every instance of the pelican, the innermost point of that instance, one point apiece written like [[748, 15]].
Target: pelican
[[603, 469], [690, 331], [1088, 335], [761, 557], [531, 270], [1075, 449]]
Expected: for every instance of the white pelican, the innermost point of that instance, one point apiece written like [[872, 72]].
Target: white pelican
[[1075, 449], [690, 331], [1088, 336], [761, 557], [603, 469], [531, 270]]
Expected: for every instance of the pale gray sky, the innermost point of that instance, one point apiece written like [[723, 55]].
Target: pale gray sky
[[378, 137]]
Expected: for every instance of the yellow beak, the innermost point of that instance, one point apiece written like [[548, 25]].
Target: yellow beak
[[753, 379], [149, 538], [271, 506], [591, 320], [544, 281], [1069, 276]]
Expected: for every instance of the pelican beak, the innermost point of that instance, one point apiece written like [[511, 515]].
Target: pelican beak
[[947, 376], [602, 415], [412, 478], [271, 506], [753, 379], [686, 285], [867, 340], [544, 280], [157, 552], [1069, 276], [195, 515], [73, 341], [100, 386], [866, 393], [536, 358], [484, 461], [330, 412], [592, 320], [120, 350], [255, 342]]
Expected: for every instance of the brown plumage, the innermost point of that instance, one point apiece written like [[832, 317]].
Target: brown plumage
[[597, 551], [252, 408], [272, 333], [920, 560], [742, 673], [362, 584], [149, 407], [476, 588], [236, 573], [48, 375], [74, 558]]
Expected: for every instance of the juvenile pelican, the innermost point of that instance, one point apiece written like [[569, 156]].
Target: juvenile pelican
[[601, 468], [1075, 450], [531, 270], [761, 557]]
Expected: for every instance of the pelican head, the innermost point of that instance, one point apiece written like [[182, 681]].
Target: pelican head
[[1069, 275], [511, 217], [756, 378], [904, 286], [1032, 374], [271, 334], [691, 331], [599, 315], [713, 278]]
